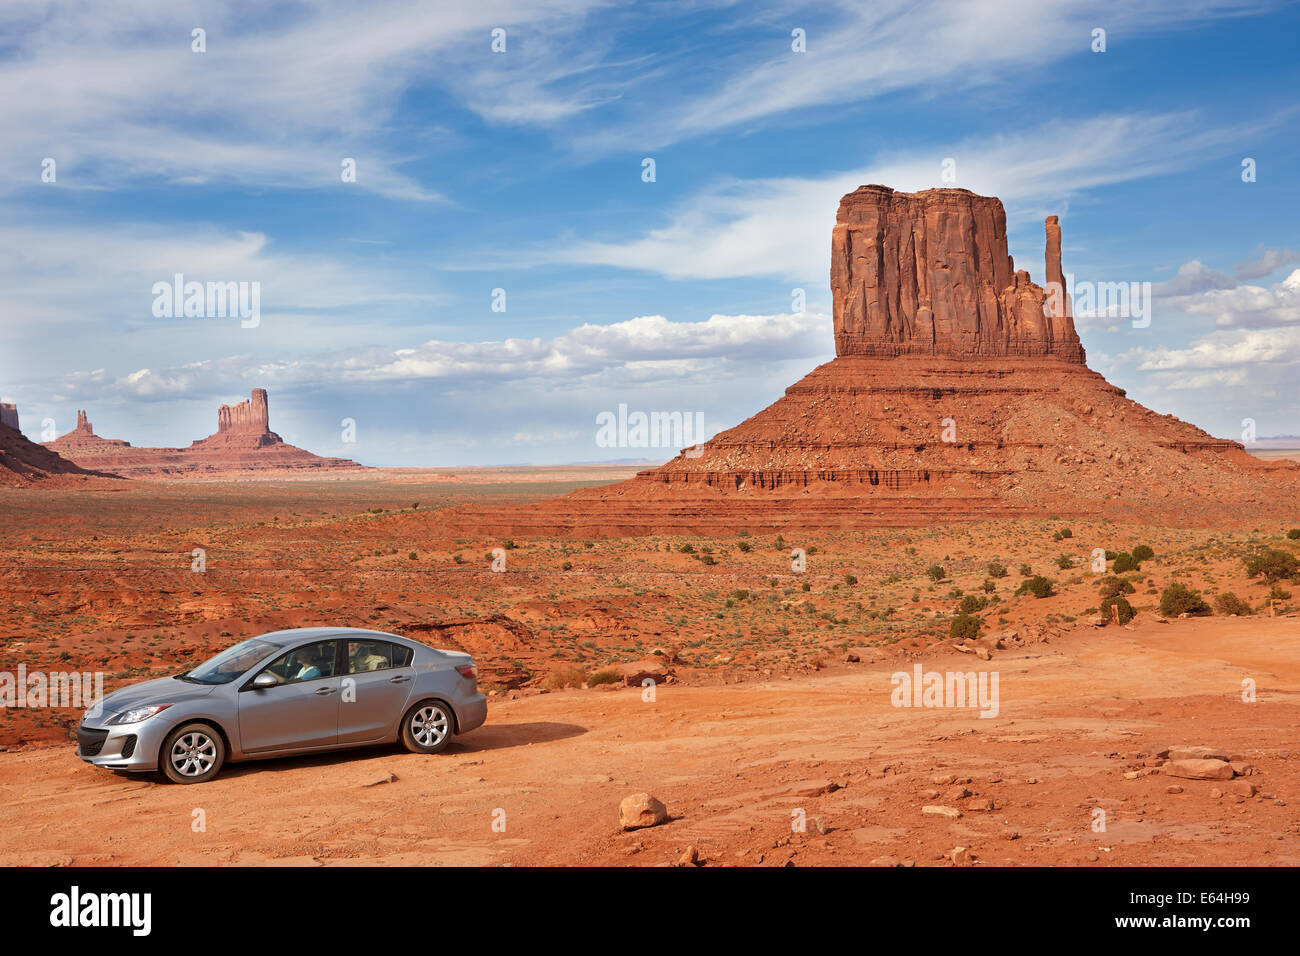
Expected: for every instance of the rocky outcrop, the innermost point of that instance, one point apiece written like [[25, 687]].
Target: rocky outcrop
[[243, 444], [928, 273], [23, 462]]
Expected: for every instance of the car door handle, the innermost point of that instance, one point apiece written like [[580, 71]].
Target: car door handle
[[324, 690], [398, 680]]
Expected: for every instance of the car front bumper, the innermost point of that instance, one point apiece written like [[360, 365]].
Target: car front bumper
[[124, 747]]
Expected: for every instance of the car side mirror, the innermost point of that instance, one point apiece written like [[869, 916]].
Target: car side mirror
[[264, 680]]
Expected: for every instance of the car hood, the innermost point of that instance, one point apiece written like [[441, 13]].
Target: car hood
[[161, 690]]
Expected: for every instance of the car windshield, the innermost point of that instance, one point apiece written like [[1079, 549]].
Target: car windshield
[[231, 662]]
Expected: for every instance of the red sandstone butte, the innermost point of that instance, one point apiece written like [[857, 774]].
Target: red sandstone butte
[[243, 444], [25, 463], [959, 391]]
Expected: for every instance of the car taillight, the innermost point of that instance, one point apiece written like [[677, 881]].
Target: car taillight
[[467, 670]]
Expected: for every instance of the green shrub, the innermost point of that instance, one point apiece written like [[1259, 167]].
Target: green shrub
[[1038, 586], [935, 572], [1025, 570], [1143, 553], [1273, 564], [1064, 561], [1125, 562], [1229, 604], [850, 580], [1112, 586], [964, 627], [972, 603], [745, 547], [1294, 534], [1125, 610], [1178, 599], [989, 586], [606, 676], [996, 570]]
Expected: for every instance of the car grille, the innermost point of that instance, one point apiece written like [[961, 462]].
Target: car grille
[[128, 746], [91, 742]]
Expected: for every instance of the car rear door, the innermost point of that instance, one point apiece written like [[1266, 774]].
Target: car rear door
[[377, 683], [301, 711]]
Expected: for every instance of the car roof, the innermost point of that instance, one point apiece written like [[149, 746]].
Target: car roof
[[294, 635]]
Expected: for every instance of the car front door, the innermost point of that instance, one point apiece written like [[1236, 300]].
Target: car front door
[[377, 682], [301, 710]]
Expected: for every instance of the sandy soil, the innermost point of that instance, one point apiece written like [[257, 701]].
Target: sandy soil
[[765, 711], [733, 764]]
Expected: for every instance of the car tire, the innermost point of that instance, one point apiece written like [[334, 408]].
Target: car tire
[[192, 753], [427, 727]]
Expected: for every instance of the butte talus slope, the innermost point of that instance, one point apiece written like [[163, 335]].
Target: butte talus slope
[[959, 391]]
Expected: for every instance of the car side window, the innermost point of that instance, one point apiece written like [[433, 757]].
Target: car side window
[[311, 662], [366, 656]]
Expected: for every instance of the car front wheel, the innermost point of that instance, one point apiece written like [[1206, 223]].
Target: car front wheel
[[192, 753], [427, 727]]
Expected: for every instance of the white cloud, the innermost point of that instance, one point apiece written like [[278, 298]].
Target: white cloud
[[1251, 306], [1223, 350], [643, 351]]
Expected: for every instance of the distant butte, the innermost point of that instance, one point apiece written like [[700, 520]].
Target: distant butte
[[25, 463], [959, 391], [243, 444]]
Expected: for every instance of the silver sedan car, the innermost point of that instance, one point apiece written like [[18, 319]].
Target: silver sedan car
[[300, 691]]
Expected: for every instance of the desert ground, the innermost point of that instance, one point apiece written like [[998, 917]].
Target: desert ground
[[772, 735]]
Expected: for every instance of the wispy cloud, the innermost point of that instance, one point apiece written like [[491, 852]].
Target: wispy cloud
[[780, 227], [283, 93], [862, 51]]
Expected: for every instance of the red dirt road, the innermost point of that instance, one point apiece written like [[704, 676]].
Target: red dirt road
[[735, 763]]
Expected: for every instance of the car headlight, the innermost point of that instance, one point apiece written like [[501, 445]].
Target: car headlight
[[138, 714]]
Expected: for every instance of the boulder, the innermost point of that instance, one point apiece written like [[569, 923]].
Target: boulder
[[1199, 769], [641, 810], [654, 668]]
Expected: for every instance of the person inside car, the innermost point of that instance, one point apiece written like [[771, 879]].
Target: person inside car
[[310, 669]]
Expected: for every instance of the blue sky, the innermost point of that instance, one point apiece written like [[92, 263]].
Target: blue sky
[[522, 171]]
